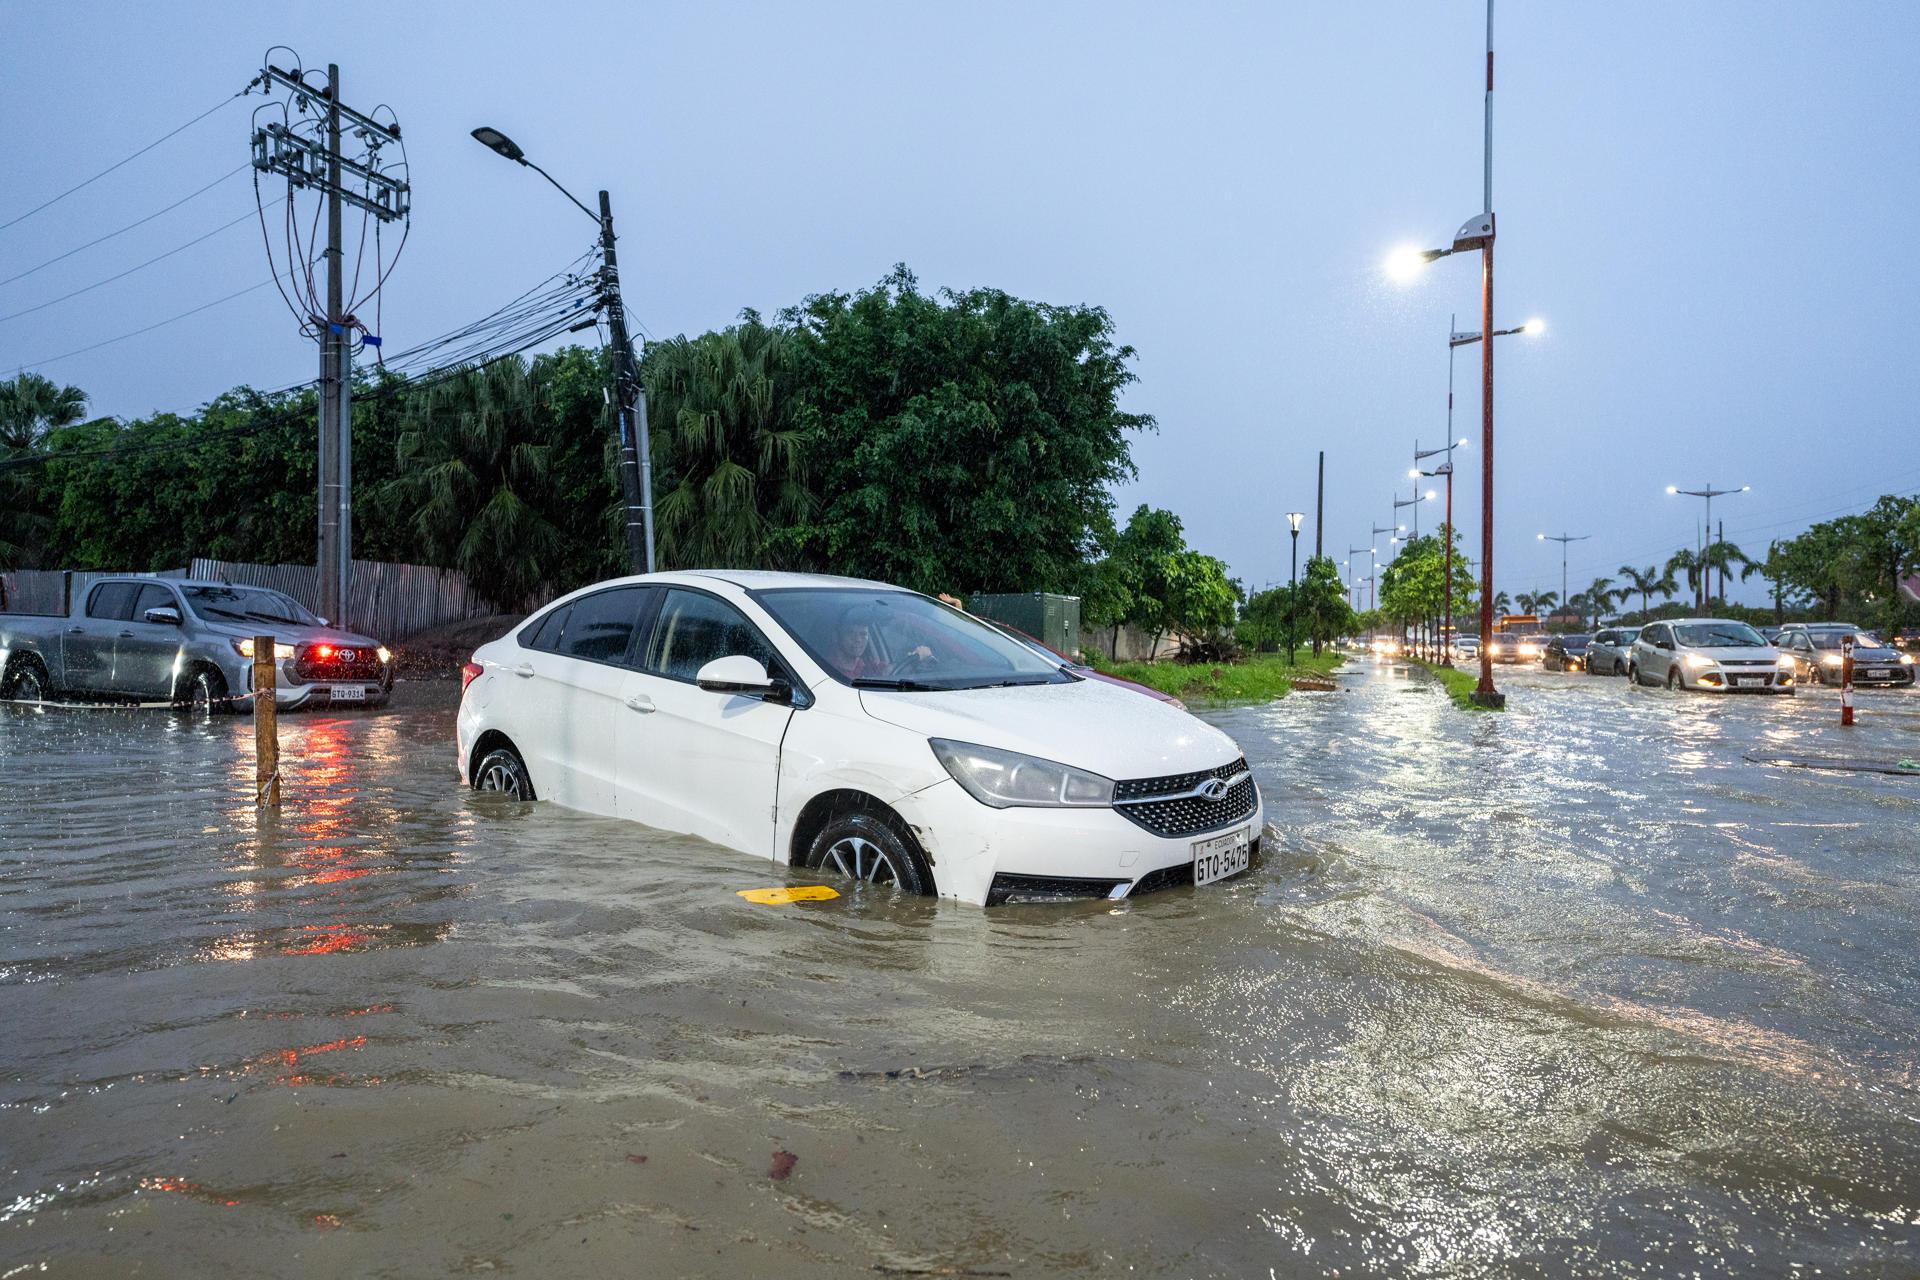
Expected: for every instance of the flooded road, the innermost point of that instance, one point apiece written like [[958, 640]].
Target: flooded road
[[1573, 990]]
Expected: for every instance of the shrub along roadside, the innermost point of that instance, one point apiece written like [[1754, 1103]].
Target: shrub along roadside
[[1458, 684], [1260, 679]]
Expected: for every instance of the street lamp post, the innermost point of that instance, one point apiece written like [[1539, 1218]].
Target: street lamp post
[[1293, 589], [1706, 570], [630, 398], [1413, 502], [1368, 550], [1563, 539], [1446, 555]]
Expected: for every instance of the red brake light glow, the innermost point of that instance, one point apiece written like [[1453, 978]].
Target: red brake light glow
[[324, 652], [469, 673]]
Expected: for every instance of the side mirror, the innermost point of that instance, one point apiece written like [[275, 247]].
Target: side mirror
[[739, 674], [166, 615]]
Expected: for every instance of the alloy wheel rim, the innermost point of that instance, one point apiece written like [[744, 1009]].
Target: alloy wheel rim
[[28, 689], [861, 859], [500, 777]]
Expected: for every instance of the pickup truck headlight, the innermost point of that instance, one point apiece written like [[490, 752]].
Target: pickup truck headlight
[[385, 654], [1006, 779], [245, 649]]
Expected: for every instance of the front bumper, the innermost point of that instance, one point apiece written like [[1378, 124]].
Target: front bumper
[[292, 691], [981, 854], [1739, 680]]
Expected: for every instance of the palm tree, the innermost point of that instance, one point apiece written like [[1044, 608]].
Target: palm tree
[[1502, 603], [1691, 565], [1646, 582], [31, 406], [1536, 602], [1600, 597], [475, 472], [730, 454], [1722, 556]]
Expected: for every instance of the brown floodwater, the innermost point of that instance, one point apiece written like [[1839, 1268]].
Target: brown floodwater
[[1579, 989]]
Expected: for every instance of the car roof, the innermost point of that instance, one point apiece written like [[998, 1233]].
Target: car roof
[[770, 579]]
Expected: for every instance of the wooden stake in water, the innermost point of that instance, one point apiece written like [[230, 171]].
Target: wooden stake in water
[[266, 726]]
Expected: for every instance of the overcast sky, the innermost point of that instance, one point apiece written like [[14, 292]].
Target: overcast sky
[[1713, 205]]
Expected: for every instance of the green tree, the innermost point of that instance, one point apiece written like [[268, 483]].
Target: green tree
[[1599, 598], [728, 445], [965, 442], [31, 407], [1688, 566], [1325, 612], [1646, 583]]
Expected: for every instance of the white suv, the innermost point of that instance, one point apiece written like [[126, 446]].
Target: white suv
[[1717, 655], [857, 728]]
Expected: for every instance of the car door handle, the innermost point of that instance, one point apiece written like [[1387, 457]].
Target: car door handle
[[76, 631], [523, 670], [126, 635], [640, 702]]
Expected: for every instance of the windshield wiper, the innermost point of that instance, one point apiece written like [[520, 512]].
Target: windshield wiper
[[898, 686]]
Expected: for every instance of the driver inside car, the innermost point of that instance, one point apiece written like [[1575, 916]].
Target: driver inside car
[[855, 654]]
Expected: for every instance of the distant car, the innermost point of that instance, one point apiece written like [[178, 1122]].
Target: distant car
[[1383, 647], [1717, 655], [1611, 650], [1815, 650], [1517, 646], [1772, 635], [1566, 653]]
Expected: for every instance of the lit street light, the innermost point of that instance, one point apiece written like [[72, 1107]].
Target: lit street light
[[1293, 589], [1706, 571], [1477, 232], [1414, 502], [636, 459]]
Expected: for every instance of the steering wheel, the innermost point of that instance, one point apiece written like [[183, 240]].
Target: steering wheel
[[909, 664]]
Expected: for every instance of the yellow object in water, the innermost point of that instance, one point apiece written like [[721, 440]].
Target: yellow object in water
[[798, 893]]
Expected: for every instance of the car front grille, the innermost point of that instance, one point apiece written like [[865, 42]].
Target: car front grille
[[1169, 806], [1007, 887], [364, 665]]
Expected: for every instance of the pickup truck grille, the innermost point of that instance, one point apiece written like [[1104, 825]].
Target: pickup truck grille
[[349, 662], [1168, 806]]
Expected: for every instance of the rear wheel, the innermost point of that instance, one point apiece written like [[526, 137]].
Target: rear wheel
[[864, 846], [502, 772]]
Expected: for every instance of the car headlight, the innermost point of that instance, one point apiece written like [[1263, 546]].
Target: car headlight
[[385, 654], [245, 649], [1785, 663], [1832, 660], [1529, 650], [1698, 662], [1906, 659], [1007, 779]]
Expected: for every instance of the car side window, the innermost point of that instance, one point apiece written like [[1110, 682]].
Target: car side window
[[547, 635], [694, 629], [599, 627], [112, 601], [152, 596]]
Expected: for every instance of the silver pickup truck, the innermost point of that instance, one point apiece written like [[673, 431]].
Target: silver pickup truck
[[187, 642]]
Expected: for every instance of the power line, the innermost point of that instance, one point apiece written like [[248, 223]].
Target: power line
[[118, 163], [129, 271], [107, 342], [130, 226]]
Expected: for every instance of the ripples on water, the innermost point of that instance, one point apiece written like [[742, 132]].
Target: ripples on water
[[1566, 990]]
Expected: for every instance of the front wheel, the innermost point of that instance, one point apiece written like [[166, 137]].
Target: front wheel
[[1674, 681], [866, 848], [205, 694]]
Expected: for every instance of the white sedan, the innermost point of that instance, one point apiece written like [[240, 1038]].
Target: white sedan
[[857, 728]]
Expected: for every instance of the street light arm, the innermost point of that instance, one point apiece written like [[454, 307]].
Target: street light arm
[[562, 190]]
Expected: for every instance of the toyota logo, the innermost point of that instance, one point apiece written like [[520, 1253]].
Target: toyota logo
[[1213, 789], [347, 655]]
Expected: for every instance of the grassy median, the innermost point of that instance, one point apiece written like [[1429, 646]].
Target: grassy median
[[1257, 679], [1458, 684]]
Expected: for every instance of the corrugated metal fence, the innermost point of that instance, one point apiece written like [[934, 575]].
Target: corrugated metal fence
[[385, 601], [45, 590]]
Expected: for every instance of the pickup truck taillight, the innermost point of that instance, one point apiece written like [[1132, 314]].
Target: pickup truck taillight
[[469, 673]]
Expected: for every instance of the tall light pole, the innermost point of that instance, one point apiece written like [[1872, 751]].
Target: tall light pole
[[1709, 493], [1446, 553], [1368, 551], [1563, 539], [1414, 502], [630, 398], [1477, 232], [1293, 590]]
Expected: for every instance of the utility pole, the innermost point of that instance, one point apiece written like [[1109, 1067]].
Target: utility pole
[[630, 399], [308, 154], [1563, 539]]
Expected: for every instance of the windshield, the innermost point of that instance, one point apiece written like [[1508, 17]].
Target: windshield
[[1719, 635], [1831, 639], [1629, 635], [897, 640], [1576, 642], [246, 605]]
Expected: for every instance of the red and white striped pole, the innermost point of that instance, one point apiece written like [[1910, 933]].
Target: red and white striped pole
[[1846, 679]]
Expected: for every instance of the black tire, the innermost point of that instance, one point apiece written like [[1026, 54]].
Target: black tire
[[501, 771], [26, 681], [205, 693], [1673, 678], [1633, 675], [864, 846]]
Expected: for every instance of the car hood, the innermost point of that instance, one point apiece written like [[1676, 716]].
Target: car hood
[[1736, 653], [1866, 653], [1088, 724], [284, 633]]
